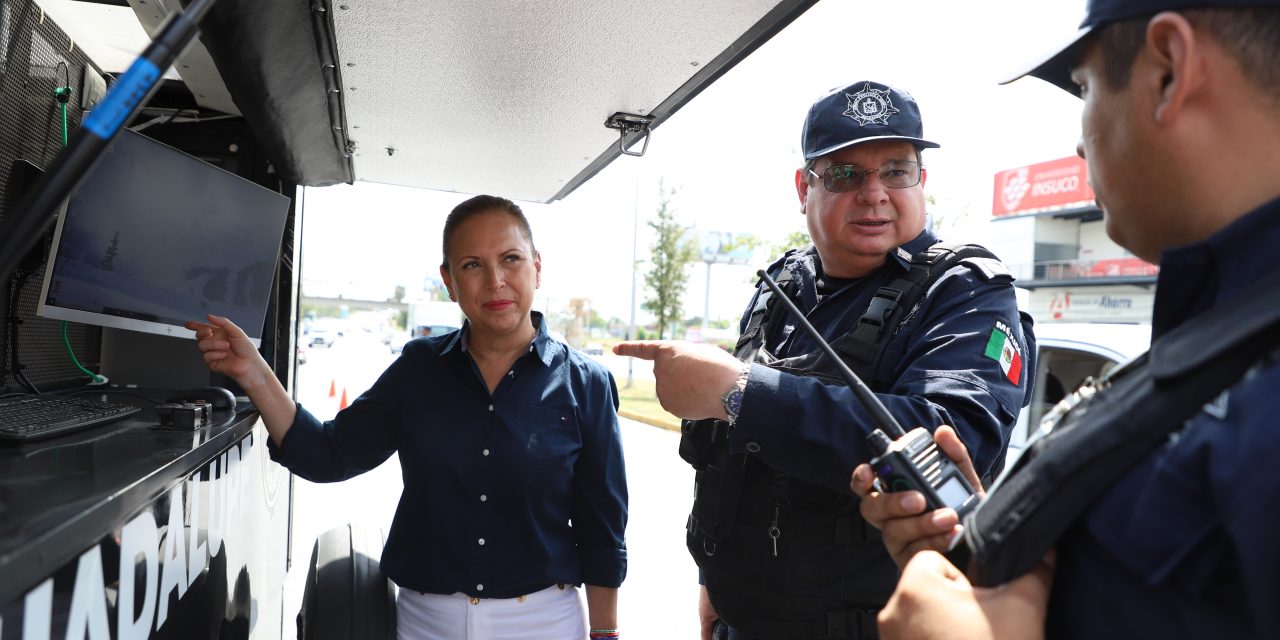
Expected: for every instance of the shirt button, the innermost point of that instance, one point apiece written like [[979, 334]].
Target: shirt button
[[479, 587], [491, 407], [480, 542], [484, 498], [485, 452], [753, 447]]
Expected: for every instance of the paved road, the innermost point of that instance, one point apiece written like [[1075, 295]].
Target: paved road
[[659, 598]]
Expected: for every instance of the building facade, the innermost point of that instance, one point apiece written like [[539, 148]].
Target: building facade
[[1048, 230]]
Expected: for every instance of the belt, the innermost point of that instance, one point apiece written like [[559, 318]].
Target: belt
[[559, 586]]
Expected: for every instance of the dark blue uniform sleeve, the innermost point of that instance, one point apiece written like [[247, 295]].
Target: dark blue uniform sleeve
[[359, 438], [600, 486], [953, 370]]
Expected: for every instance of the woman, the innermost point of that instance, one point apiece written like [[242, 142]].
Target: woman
[[514, 487]]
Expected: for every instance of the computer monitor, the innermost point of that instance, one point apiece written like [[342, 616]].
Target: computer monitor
[[155, 237]]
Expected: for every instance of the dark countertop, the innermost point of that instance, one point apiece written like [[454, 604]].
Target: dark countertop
[[62, 495]]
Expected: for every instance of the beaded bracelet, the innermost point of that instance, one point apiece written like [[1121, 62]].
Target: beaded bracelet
[[603, 634]]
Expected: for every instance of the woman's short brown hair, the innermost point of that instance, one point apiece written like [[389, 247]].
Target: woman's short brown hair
[[475, 206]]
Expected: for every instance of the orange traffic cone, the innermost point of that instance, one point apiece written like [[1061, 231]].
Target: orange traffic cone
[[333, 392], [343, 403]]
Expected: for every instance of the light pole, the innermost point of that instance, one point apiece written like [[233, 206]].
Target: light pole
[[635, 235]]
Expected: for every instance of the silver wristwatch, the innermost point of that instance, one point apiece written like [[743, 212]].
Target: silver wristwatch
[[732, 399]]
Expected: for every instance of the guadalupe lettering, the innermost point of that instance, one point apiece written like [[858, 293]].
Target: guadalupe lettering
[[174, 574], [37, 612], [138, 538], [217, 517], [88, 600], [197, 558], [157, 564]]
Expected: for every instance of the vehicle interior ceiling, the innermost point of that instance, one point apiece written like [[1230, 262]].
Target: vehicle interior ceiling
[[470, 97]]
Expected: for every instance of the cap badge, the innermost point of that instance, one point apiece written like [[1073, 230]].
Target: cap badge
[[870, 106]]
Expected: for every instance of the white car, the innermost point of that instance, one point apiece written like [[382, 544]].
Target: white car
[[322, 337], [1067, 354]]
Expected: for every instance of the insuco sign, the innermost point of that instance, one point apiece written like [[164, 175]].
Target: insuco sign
[[143, 573], [1069, 184], [1054, 184]]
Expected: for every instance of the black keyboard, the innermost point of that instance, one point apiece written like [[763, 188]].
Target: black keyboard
[[27, 418]]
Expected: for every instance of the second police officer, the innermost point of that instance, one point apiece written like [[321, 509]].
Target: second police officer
[[936, 334]]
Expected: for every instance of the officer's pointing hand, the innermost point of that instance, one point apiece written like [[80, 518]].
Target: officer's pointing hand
[[690, 377], [901, 517]]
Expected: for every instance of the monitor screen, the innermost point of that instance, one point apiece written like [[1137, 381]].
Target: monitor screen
[[154, 237]]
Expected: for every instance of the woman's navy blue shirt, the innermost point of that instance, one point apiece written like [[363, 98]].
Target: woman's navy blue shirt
[[504, 494]]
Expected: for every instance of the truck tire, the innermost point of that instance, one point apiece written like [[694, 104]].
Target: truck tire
[[346, 597]]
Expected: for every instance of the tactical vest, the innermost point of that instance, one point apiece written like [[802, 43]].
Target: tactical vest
[[784, 558]]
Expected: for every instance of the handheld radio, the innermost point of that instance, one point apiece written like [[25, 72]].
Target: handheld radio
[[904, 461]]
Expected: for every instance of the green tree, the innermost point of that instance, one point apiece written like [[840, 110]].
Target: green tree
[[598, 321], [774, 250], [672, 251], [794, 240]]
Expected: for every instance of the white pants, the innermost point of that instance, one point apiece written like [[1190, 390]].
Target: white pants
[[555, 613]]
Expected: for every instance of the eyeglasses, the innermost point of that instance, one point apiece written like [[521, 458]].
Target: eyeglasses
[[896, 174]]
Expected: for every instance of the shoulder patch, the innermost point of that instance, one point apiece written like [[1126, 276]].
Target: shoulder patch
[[1003, 347], [989, 269]]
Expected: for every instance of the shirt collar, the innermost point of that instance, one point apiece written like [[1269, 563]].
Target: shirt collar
[[543, 345], [902, 255], [1199, 275]]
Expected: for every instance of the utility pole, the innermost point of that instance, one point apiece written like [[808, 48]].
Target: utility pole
[[635, 235]]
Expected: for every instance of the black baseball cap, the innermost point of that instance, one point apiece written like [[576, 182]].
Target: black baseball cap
[[861, 112], [1055, 68]]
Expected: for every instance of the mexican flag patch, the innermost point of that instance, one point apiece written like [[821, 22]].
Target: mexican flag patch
[[1003, 348]]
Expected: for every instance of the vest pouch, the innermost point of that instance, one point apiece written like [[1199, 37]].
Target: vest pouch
[[717, 490], [697, 442]]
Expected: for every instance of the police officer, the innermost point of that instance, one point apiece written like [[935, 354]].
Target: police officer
[[774, 527], [1181, 131]]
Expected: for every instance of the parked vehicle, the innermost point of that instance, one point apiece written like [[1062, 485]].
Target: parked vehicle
[[1067, 355], [433, 317], [322, 337]]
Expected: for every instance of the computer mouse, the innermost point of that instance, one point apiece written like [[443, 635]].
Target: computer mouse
[[217, 396]]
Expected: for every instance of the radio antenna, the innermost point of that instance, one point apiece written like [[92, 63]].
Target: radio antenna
[[879, 413]]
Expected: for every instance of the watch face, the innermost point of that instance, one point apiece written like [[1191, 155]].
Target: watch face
[[733, 402]]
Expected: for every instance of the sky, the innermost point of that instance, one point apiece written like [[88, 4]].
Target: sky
[[731, 153]]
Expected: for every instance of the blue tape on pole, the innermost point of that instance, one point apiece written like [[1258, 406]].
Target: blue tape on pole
[[107, 118]]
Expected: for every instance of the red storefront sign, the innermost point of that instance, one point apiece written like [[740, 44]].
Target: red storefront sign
[[1056, 183]]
